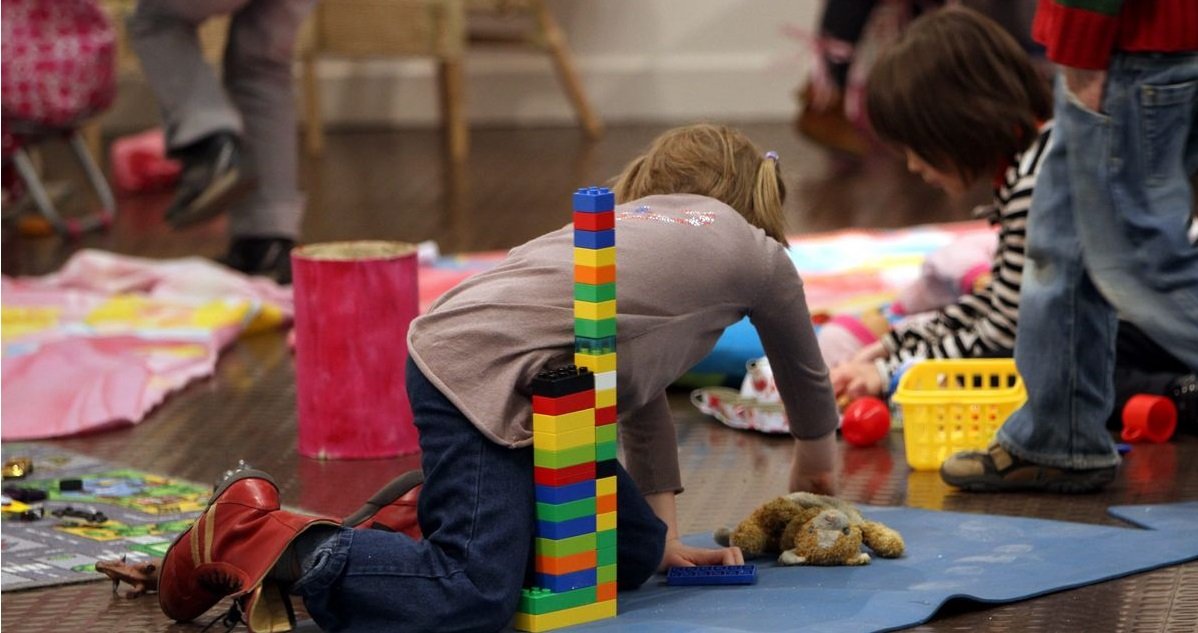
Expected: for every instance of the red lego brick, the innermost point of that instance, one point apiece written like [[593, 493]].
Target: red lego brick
[[563, 404], [606, 415], [564, 476], [601, 221]]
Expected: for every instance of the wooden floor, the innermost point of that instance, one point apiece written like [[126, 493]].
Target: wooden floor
[[393, 185]]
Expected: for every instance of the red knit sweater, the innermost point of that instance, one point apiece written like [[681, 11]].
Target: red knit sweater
[[1084, 33]]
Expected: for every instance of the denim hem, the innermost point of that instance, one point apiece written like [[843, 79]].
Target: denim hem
[[1071, 462], [331, 559]]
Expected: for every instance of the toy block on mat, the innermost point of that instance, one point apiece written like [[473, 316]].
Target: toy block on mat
[[606, 433], [563, 440], [565, 422], [594, 199], [605, 450], [562, 405], [554, 383], [605, 556], [567, 546], [595, 311], [595, 329], [567, 493], [535, 623], [605, 521], [595, 346], [713, 575], [595, 240], [605, 468], [594, 275], [605, 416], [605, 504], [560, 512], [605, 380], [568, 582], [605, 398], [605, 486], [564, 476], [596, 362], [605, 573], [558, 565], [538, 600], [563, 458], [565, 529], [605, 592], [594, 220], [595, 292]]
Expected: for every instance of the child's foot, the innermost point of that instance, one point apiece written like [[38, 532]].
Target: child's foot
[[996, 470], [212, 180]]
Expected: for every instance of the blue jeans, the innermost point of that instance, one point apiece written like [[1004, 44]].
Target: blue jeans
[[1106, 236], [477, 512]]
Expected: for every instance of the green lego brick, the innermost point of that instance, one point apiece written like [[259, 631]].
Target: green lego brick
[[605, 450], [595, 292], [605, 539], [595, 329], [606, 556], [605, 433], [594, 346], [557, 548], [606, 573], [538, 601], [561, 459], [558, 512]]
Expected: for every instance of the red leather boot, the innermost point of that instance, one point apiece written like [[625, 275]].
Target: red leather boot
[[229, 550], [392, 508]]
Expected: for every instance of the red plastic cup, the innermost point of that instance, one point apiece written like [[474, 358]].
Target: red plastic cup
[[866, 420], [354, 302], [1149, 419]]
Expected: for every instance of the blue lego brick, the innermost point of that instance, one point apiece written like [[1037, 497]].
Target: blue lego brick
[[713, 575], [593, 199], [567, 493], [566, 529], [594, 239], [560, 583]]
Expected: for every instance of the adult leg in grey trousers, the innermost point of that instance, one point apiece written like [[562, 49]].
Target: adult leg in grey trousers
[[256, 103]]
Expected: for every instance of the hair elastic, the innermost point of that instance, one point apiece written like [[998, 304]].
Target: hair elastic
[[771, 155]]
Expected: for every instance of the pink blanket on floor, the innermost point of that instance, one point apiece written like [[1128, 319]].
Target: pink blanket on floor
[[106, 339]]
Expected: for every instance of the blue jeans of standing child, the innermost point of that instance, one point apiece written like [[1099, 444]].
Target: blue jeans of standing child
[[476, 512], [1106, 235]]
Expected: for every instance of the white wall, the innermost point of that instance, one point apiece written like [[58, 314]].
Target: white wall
[[640, 60]]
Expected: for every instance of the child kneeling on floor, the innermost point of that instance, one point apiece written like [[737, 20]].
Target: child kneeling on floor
[[701, 245]]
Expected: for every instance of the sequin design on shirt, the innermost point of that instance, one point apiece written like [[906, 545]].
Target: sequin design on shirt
[[691, 218]]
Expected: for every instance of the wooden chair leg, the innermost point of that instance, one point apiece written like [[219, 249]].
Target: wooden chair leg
[[313, 125], [563, 61], [453, 110]]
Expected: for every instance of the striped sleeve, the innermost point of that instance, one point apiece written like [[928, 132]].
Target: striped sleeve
[[980, 324]]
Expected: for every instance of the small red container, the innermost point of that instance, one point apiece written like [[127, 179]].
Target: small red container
[[1148, 418], [354, 302]]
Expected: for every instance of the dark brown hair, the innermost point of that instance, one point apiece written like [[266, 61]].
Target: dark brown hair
[[710, 160], [958, 91]]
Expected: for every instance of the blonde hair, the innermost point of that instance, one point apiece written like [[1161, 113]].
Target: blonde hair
[[710, 160]]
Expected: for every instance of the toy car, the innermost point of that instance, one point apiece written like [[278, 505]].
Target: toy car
[[87, 516], [17, 467]]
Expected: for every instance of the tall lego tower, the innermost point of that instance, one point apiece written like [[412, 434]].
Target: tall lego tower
[[574, 442]]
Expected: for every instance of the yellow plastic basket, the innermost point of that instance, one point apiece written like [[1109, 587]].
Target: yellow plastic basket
[[955, 405]]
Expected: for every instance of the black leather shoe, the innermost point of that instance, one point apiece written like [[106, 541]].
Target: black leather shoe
[[267, 256], [212, 180]]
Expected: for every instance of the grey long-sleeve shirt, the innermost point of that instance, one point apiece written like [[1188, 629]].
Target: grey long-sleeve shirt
[[687, 266]]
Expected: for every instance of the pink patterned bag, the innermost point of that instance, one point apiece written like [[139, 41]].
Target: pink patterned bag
[[58, 61]]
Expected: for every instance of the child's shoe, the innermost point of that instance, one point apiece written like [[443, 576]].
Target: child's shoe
[[1184, 392], [393, 508], [995, 470]]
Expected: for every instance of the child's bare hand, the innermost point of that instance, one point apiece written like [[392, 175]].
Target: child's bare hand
[[856, 379], [679, 554]]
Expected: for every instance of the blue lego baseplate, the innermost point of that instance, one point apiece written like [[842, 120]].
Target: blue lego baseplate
[[713, 575]]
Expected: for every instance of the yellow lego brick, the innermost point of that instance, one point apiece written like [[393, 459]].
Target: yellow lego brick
[[563, 423], [605, 398], [595, 311], [605, 521], [595, 256], [605, 486], [596, 362], [566, 617], [605, 380], [563, 439]]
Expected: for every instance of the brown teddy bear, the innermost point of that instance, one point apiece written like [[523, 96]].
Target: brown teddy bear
[[811, 529]]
